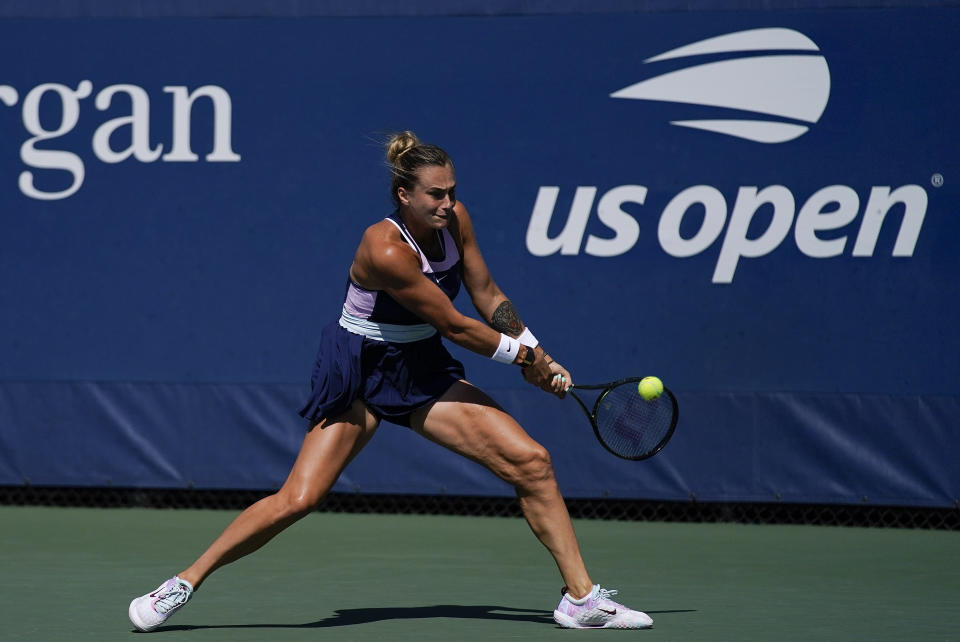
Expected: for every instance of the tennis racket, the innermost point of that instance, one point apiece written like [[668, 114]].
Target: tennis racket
[[626, 424]]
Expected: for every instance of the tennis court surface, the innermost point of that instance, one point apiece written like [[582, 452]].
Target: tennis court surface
[[69, 573]]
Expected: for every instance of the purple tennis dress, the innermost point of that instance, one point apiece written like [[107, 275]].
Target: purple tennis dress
[[382, 353]]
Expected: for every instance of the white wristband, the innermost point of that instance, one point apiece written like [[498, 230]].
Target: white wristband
[[526, 338], [507, 350]]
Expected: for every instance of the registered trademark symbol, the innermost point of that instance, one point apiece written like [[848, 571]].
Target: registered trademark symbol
[[937, 180]]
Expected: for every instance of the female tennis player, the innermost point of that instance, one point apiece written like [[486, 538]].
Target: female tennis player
[[383, 359]]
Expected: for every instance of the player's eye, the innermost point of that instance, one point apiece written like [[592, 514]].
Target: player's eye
[[438, 194]]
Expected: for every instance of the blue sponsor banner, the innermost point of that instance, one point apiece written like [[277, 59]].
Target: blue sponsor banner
[[757, 206]]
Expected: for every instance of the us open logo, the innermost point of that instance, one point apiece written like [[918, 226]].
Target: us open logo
[[784, 92], [771, 90]]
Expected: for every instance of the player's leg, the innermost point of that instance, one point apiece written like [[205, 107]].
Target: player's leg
[[470, 423], [325, 452]]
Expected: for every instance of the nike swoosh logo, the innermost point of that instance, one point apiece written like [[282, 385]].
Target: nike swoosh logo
[[613, 612]]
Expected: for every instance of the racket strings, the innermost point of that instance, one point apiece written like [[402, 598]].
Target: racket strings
[[629, 424]]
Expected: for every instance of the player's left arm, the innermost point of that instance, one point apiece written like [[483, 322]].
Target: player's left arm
[[497, 310]]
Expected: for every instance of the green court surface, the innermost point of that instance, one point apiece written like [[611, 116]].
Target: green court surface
[[69, 574]]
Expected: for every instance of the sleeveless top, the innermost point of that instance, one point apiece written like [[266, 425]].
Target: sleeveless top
[[377, 315]]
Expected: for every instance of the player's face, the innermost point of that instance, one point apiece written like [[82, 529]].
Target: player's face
[[433, 196]]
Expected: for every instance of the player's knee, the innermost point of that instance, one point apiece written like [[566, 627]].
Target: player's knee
[[296, 505], [534, 467]]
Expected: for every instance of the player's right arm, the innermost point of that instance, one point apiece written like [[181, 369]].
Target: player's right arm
[[385, 262]]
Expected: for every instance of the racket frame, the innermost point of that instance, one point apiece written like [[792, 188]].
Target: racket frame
[[592, 416]]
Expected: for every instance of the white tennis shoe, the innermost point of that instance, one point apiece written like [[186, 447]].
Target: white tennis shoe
[[598, 611], [149, 611]]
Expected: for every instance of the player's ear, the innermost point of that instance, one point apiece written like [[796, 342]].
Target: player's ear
[[403, 195]]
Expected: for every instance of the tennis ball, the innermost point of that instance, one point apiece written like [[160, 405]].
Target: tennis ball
[[650, 388]]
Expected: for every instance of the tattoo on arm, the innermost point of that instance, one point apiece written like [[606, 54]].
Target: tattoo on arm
[[506, 320]]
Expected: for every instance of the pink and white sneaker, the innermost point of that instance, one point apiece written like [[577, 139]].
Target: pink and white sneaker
[[149, 611], [598, 611]]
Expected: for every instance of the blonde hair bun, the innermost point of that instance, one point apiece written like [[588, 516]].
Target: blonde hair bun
[[399, 144]]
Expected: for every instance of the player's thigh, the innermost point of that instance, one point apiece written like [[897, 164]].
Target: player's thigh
[[467, 421], [327, 449]]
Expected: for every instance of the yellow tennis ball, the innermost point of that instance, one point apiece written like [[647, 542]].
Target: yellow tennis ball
[[650, 388]]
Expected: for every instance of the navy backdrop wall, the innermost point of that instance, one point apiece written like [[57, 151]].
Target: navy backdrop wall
[[758, 206]]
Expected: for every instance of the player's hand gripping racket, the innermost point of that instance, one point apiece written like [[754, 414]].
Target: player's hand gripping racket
[[626, 424]]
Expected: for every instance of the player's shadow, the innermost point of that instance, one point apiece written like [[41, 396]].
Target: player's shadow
[[350, 617], [347, 617]]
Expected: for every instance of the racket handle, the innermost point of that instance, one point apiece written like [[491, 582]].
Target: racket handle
[[588, 386]]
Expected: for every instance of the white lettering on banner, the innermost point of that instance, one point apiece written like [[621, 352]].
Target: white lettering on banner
[[880, 202], [813, 217], [8, 95], [182, 105], [48, 158], [714, 216], [569, 240], [735, 241], [625, 226], [830, 208], [138, 122]]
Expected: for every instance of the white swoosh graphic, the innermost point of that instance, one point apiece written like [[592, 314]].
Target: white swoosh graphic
[[759, 131], [750, 40], [789, 86], [796, 87]]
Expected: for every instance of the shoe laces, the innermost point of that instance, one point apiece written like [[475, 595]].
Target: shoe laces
[[606, 594], [171, 599]]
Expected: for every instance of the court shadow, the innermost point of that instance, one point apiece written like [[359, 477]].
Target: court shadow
[[350, 617]]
